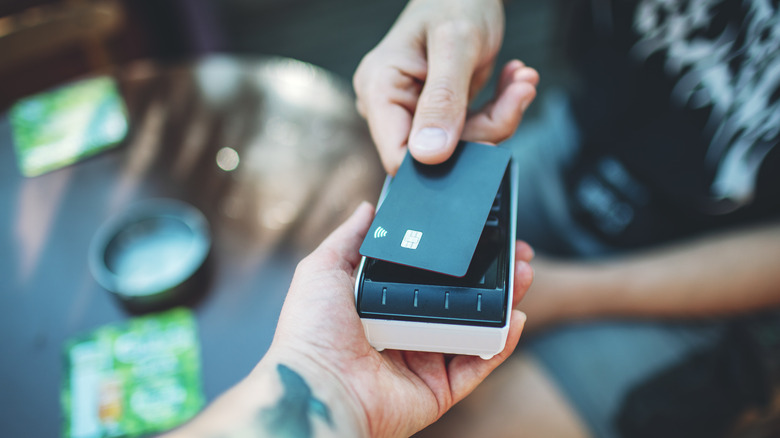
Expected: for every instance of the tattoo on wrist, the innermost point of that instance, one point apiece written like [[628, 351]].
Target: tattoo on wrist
[[293, 415]]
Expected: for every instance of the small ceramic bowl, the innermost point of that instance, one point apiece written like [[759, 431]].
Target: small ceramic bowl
[[149, 255]]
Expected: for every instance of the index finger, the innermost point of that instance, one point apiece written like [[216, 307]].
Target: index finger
[[387, 93], [389, 124]]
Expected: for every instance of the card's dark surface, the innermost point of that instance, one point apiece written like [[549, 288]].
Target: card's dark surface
[[432, 216]]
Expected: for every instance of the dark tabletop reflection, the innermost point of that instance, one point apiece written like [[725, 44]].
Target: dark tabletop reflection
[[273, 153], [271, 150]]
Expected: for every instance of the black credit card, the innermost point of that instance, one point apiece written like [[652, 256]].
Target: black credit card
[[432, 216]]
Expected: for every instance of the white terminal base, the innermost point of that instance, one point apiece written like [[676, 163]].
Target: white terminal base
[[485, 342]]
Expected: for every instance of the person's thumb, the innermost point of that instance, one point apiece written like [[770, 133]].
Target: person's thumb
[[441, 108]]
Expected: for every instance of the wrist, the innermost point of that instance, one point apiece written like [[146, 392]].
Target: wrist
[[284, 395], [331, 408]]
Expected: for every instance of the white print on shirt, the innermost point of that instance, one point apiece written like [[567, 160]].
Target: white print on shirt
[[736, 73]]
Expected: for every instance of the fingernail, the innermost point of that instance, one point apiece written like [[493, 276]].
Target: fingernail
[[429, 140]]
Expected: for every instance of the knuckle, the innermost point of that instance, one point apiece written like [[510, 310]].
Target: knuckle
[[305, 264], [360, 107], [457, 31], [359, 80], [440, 98], [357, 84], [365, 70]]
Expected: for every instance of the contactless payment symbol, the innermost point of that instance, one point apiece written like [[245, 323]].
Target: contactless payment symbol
[[380, 232], [411, 239]]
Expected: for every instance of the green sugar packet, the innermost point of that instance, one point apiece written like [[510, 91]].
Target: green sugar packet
[[134, 378], [62, 126]]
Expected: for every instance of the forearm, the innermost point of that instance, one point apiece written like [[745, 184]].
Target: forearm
[[726, 274], [280, 398]]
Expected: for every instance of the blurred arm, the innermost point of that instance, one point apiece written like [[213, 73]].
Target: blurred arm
[[722, 274]]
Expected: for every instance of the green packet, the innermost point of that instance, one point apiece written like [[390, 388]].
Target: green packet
[[59, 127], [133, 378]]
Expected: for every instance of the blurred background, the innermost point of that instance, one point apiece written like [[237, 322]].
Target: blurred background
[[45, 42], [241, 109]]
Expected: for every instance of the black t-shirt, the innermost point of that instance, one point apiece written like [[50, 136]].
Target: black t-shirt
[[680, 114]]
